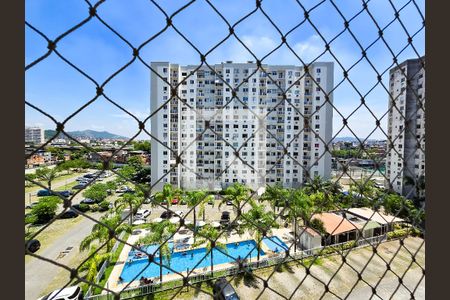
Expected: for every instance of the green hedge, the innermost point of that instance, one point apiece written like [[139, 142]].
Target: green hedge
[[403, 232], [338, 248]]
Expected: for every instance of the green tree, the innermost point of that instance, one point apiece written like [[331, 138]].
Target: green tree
[[258, 222], [47, 175], [97, 192], [300, 206], [237, 194], [198, 199], [366, 192], [100, 232], [160, 232], [45, 210], [317, 184], [128, 200], [92, 265], [275, 195], [126, 173], [136, 163], [209, 236], [165, 196], [400, 206], [318, 225], [142, 146]]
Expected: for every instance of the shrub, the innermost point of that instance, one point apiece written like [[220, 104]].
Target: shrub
[[397, 233], [83, 207], [103, 206], [45, 210], [95, 207]]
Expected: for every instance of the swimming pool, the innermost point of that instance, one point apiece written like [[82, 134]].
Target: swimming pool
[[275, 244], [181, 262]]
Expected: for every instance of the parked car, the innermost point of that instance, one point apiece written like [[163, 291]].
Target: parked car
[[42, 193], [65, 193], [69, 293], [124, 189], [30, 206], [223, 290], [128, 190], [69, 214], [89, 176], [147, 200], [167, 214], [80, 208], [79, 186], [33, 245], [174, 201], [88, 201], [225, 218], [229, 203], [142, 213]]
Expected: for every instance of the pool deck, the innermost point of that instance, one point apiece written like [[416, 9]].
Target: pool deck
[[113, 280]]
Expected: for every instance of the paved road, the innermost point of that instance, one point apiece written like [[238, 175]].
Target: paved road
[[39, 273]]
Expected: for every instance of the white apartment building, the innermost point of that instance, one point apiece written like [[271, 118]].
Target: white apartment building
[[406, 126], [241, 130], [34, 135]]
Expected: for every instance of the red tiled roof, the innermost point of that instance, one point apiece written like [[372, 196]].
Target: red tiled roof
[[335, 224]]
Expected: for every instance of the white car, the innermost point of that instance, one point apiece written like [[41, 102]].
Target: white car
[[69, 293], [142, 213]]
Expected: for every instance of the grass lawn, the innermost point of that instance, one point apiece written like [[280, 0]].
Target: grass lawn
[[52, 232], [59, 179]]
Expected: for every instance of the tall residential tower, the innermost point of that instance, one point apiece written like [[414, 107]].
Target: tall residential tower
[[405, 163], [253, 134], [34, 135]]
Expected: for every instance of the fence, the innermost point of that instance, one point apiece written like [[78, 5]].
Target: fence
[[232, 271], [254, 136]]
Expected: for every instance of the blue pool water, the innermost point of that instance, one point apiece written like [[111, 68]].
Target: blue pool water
[[274, 243], [180, 262]]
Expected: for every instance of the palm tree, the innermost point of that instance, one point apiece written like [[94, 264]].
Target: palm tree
[[92, 264], [47, 175], [100, 232], [300, 206], [210, 235], [166, 195], [236, 194], [257, 221], [275, 195], [366, 190], [317, 184], [128, 200], [198, 199], [162, 231]]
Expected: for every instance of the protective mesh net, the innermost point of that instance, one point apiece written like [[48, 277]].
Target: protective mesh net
[[310, 241]]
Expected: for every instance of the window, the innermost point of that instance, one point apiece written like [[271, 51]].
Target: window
[[318, 70]]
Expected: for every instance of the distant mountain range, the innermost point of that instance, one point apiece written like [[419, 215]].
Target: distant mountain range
[[88, 134]]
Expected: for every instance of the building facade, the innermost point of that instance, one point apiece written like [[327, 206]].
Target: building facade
[[405, 162], [232, 123], [34, 135]]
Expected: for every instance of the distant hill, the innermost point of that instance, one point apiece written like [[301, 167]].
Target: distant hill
[[88, 134]]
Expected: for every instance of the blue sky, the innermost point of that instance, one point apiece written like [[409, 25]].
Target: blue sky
[[58, 89]]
